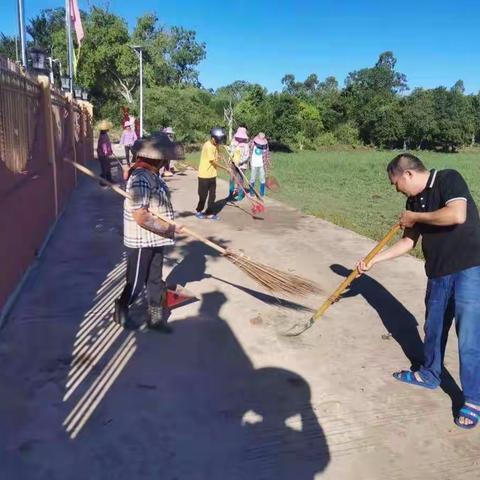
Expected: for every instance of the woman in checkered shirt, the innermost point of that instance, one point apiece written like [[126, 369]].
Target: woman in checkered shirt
[[145, 235]]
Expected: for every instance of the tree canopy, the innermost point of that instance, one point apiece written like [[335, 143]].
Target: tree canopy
[[374, 107]]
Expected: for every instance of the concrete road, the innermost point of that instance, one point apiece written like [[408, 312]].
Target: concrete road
[[226, 396]]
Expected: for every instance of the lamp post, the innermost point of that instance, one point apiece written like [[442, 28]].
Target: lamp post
[[38, 59], [21, 30], [68, 25], [78, 91], [51, 62], [139, 51], [65, 81]]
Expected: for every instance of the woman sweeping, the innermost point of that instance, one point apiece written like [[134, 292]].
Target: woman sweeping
[[260, 161], [239, 152], [104, 150]]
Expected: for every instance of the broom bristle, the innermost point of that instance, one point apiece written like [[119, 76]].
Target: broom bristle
[[272, 279]]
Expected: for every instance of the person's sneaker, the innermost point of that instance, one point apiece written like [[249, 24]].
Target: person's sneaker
[[158, 318], [200, 215], [213, 217]]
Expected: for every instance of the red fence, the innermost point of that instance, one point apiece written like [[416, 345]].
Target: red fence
[[39, 128]]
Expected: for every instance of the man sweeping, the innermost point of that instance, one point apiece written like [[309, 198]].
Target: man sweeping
[[442, 211], [145, 235]]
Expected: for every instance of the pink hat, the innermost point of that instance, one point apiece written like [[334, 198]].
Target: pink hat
[[261, 139], [127, 124], [241, 133]]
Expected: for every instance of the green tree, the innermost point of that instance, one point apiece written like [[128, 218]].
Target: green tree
[[8, 46], [189, 110], [419, 115], [43, 27], [454, 123], [284, 118]]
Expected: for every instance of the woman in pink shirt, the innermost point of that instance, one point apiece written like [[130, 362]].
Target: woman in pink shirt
[[127, 139]]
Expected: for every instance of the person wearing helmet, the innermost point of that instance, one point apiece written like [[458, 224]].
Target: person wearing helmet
[[207, 173]]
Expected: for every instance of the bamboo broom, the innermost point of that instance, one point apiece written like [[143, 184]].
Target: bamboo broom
[[297, 329], [258, 205], [275, 281]]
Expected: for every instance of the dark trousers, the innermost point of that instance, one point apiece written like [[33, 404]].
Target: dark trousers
[[127, 153], [105, 166], [144, 267], [206, 187]]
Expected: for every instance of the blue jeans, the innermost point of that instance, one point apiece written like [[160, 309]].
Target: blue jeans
[[454, 296]]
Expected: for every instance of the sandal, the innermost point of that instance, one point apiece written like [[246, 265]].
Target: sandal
[[472, 414], [407, 376]]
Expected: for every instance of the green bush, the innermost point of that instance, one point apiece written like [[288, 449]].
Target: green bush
[[347, 134], [326, 139]]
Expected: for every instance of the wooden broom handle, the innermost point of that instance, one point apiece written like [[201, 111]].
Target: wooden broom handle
[[344, 285], [230, 158], [123, 193]]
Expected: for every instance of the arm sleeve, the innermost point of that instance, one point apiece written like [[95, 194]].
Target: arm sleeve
[[454, 187], [139, 191]]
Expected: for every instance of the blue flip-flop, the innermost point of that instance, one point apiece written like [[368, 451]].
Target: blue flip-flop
[[407, 376], [468, 412]]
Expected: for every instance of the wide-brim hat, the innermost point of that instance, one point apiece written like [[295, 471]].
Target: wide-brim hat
[[104, 125], [241, 133], [168, 130], [158, 147], [261, 139]]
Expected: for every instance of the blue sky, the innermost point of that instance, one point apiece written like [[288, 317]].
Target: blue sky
[[435, 42]]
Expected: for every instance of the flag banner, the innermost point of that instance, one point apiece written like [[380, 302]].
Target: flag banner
[[76, 20]]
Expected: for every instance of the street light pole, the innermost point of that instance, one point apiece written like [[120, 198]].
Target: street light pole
[[68, 25], [21, 31], [139, 51], [141, 93]]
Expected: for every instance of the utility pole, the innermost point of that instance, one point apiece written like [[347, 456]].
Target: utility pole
[[139, 51], [21, 31], [68, 26]]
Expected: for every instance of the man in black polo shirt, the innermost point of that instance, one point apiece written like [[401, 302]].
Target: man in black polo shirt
[[441, 209]]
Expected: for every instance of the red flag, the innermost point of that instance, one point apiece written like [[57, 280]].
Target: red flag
[[76, 20]]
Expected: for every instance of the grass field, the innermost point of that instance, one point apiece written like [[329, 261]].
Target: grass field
[[351, 189]]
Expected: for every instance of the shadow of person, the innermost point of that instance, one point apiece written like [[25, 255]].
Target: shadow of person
[[399, 322], [192, 266], [219, 205], [280, 409], [208, 413]]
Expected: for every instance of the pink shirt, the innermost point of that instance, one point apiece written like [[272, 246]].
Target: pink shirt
[[128, 137]]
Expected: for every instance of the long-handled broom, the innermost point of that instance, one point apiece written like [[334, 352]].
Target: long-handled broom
[[275, 281], [297, 329], [258, 205]]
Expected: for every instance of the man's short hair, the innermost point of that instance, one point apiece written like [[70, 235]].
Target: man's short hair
[[405, 161]]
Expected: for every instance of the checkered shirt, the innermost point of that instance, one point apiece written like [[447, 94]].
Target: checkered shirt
[[146, 190]]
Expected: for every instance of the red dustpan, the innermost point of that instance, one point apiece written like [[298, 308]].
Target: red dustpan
[[178, 296]]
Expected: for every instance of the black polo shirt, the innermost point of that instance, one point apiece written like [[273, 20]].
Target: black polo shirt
[[450, 249]]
